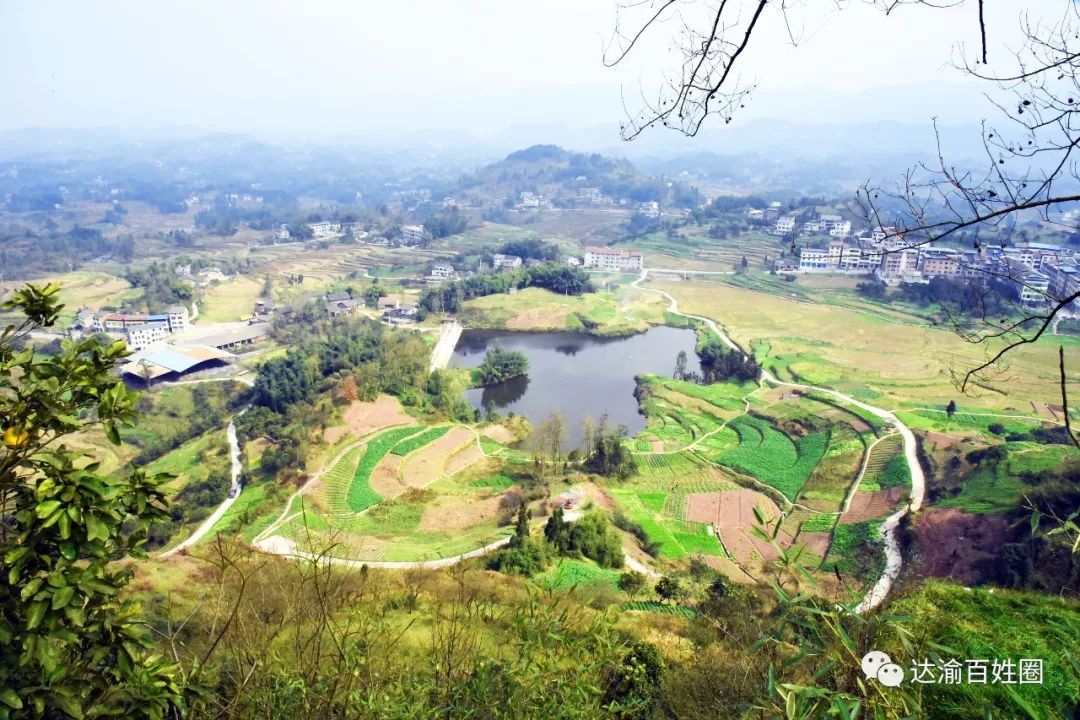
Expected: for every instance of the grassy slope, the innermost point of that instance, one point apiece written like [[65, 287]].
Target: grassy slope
[[995, 624], [867, 357], [615, 312]]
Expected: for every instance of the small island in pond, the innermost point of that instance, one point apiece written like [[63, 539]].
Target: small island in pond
[[499, 366]]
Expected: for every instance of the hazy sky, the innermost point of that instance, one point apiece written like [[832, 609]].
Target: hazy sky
[[323, 68]]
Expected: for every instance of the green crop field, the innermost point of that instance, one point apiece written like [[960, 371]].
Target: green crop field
[[823, 522], [495, 482], [676, 537], [418, 441], [835, 473], [772, 457], [569, 573], [849, 547], [360, 496], [886, 466], [997, 487]]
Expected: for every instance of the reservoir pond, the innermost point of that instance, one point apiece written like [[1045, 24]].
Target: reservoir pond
[[577, 375]]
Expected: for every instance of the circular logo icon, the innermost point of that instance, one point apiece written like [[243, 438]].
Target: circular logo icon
[[890, 675], [872, 662]]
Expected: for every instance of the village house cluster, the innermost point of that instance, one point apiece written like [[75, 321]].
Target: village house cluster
[[1039, 271], [139, 330]]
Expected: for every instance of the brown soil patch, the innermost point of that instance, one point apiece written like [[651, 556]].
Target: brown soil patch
[[464, 513], [729, 508], [600, 496], [464, 458], [816, 542], [363, 418], [941, 441], [657, 445], [499, 433], [429, 463], [958, 545], [859, 425], [871, 505], [385, 479], [731, 513]]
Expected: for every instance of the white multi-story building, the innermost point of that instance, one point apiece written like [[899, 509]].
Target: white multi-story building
[[443, 271], [614, 259], [323, 230], [146, 334], [1065, 282], [412, 234], [177, 318], [785, 224], [897, 264], [815, 260], [840, 256], [529, 201], [840, 229], [650, 209], [506, 261], [1034, 289]]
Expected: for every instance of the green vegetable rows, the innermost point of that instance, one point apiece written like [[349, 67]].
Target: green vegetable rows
[[418, 441], [360, 495], [772, 457]]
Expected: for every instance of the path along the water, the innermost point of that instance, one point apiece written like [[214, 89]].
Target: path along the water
[[893, 558]]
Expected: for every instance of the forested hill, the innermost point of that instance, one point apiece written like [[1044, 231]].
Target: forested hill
[[557, 173]]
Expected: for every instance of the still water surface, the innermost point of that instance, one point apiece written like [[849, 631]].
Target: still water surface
[[578, 375]]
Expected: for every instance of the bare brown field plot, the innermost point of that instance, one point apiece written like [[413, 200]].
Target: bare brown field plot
[[362, 418], [428, 464]]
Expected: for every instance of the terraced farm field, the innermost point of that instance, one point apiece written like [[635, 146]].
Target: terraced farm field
[[773, 457], [395, 498], [701, 500]]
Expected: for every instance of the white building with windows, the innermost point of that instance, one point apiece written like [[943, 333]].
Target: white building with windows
[[506, 261], [443, 271], [147, 334], [784, 225], [323, 230], [614, 259], [412, 234], [177, 318], [650, 209]]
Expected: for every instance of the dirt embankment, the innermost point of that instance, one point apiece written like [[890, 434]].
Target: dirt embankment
[[429, 463], [363, 418], [872, 505], [964, 547]]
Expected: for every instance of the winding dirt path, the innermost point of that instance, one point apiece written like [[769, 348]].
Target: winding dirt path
[[893, 558], [234, 494]]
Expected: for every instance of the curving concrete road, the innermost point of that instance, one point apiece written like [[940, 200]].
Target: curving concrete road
[[234, 494], [893, 558]]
